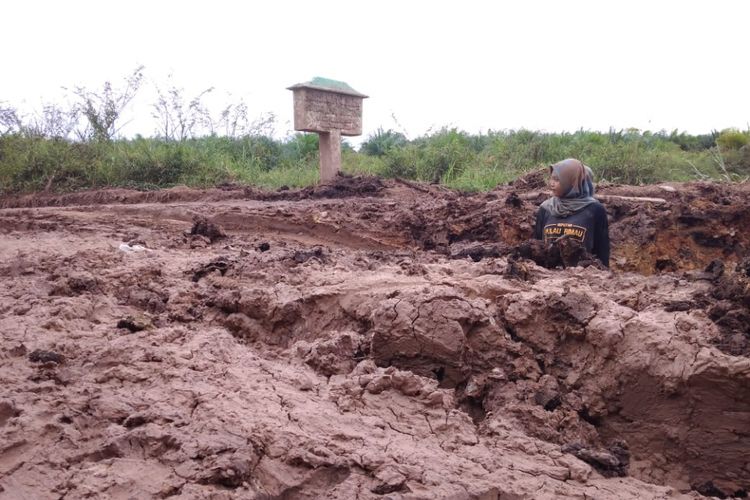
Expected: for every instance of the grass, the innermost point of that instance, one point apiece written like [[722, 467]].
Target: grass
[[30, 162]]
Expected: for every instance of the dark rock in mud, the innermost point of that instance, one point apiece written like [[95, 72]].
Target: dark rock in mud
[[391, 487], [665, 265], [41, 356], [549, 400], [479, 251], [134, 324], [220, 265], [715, 269], [229, 471], [264, 247], [714, 240], [136, 420], [709, 489], [75, 284], [728, 305], [516, 269], [613, 462], [514, 200], [679, 305], [301, 256]]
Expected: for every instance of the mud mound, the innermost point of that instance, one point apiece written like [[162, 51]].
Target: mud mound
[[401, 344], [204, 227], [111, 196], [534, 180], [343, 186], [652, 229]]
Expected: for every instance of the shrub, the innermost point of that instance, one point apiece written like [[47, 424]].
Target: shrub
[[381, 142], [693, 142], [300, 148], [445, 155], [36, 164], [402, 162], [154, 162], [732, 139]]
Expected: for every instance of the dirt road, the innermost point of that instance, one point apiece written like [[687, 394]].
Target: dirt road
[[371, 339]]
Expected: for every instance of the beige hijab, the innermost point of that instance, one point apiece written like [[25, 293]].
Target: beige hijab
[[577, 184]]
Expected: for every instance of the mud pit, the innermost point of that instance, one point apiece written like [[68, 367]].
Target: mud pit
[[370, 339]]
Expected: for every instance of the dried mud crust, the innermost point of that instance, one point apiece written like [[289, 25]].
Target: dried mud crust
[[318, 350]]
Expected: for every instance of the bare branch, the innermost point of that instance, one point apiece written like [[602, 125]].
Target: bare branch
[[9, 120], [103, 109], [179, 120]]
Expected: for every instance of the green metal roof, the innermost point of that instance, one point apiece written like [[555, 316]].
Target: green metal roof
[[336, 86]]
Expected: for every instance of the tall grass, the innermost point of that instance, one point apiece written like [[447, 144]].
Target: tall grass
[[33, 162], [38, 164], [480, 162]]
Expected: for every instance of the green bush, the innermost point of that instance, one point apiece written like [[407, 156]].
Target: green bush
[[442, 156], [735, 162], [300, 147], [733, 139], [362, 164], [31, 163], [445, 155], [402, 162], [381, 142], [155, 162], [693, 142]]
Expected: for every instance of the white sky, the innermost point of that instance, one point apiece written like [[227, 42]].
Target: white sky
[[544, 65]]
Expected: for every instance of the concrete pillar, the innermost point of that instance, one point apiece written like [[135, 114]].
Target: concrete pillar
[[330, 155]]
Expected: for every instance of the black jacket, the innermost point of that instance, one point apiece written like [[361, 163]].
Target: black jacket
[[589, 225]]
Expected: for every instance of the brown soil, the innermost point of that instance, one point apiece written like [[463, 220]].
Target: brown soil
[[372, 339]]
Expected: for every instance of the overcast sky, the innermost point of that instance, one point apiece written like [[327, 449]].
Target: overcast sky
[[546, 65]]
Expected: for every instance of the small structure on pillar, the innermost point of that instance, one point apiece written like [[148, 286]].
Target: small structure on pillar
[[332, 109]]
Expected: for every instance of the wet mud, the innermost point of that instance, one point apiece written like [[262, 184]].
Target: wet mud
[[372, 339]]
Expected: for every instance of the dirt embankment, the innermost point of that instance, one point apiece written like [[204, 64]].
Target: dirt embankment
[[377, 339]]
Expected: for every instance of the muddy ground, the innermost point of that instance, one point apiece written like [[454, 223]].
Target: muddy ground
[[371, 339]]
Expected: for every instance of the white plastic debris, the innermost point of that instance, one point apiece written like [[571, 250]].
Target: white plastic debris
[[124, 247]]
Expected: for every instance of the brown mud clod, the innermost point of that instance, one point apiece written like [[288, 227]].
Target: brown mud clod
[[373, 338], [204, 227]]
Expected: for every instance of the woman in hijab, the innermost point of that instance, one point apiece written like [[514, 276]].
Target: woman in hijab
[[573, 212]]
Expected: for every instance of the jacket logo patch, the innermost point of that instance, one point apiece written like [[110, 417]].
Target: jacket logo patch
[[558, 230]]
